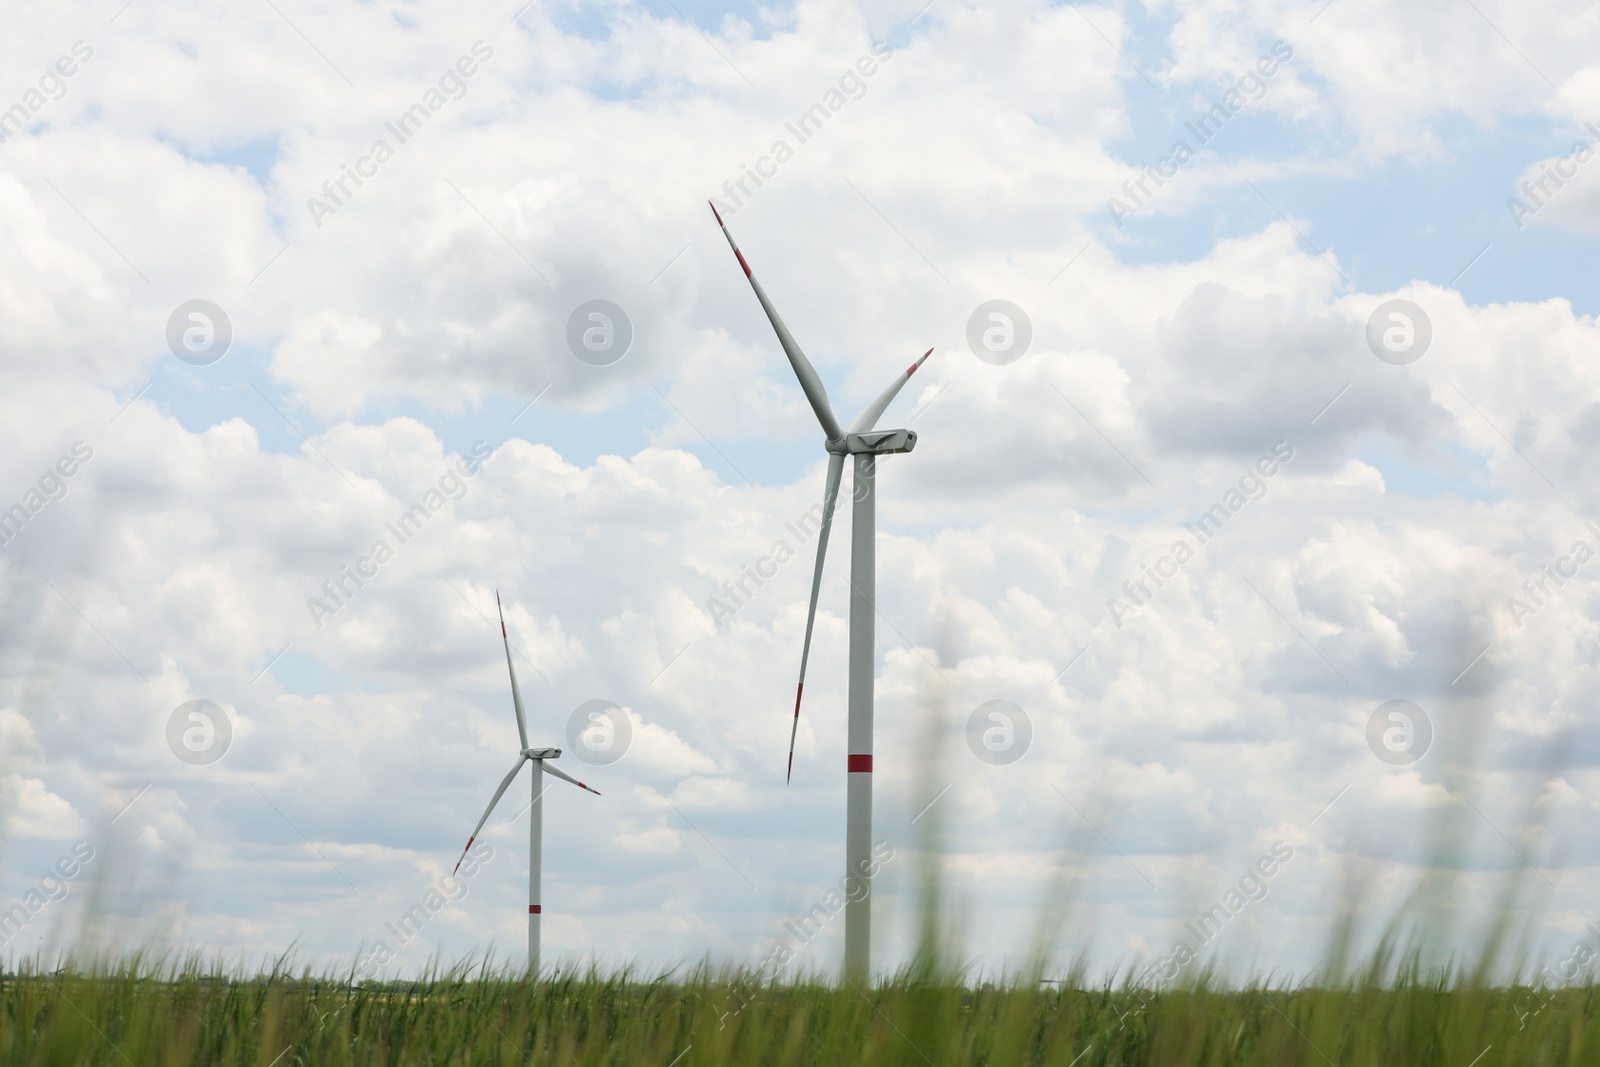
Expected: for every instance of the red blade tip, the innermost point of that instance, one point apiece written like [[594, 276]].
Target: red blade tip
[[714, 212]]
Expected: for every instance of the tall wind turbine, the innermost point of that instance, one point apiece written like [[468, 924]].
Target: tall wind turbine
[[864, 444], [537, 757]]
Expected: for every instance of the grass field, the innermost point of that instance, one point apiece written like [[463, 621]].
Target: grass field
[[147, 1016]]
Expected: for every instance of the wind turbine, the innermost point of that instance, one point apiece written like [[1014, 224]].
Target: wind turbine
[[537, 757], [865, 445]]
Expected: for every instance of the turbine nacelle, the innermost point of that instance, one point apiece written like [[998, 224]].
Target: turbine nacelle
[[542, 753], [874, 443]]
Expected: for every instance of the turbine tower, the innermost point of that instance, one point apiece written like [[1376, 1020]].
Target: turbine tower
[[537, 757], [864, 445]]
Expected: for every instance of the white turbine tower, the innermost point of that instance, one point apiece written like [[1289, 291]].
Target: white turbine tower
[[537, 757], [864, 444]]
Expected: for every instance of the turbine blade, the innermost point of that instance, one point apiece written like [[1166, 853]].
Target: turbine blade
[[550, 768], [516, 693], [498, 793], [874, 411], [803, 370], [830, 496]]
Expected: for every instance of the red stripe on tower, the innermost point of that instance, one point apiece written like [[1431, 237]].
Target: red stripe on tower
[[860, 764], [533, 909]]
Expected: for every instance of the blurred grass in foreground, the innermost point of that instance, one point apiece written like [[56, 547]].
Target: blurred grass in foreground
[[1411, 1000], [138, 1013]]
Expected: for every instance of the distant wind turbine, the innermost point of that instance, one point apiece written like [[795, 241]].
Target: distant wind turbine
[[865, 444], [537, 757]]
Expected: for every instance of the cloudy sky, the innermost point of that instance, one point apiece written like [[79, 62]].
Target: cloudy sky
[[1319, 270]]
